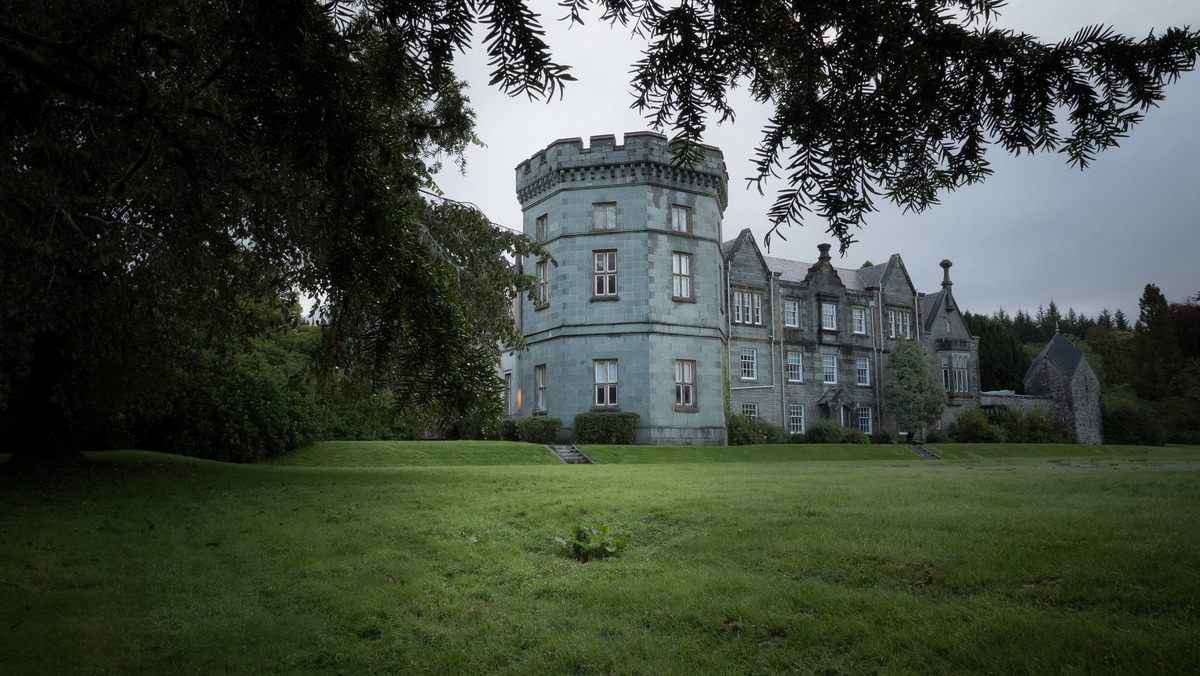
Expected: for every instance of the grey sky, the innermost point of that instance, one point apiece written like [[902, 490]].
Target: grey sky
[[1036, 230]]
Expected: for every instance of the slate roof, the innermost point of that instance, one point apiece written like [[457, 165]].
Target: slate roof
[[1060, 352], [795, 271], [930, 304]]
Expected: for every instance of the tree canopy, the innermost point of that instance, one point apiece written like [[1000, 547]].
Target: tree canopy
[[914, 397], [171, 164]]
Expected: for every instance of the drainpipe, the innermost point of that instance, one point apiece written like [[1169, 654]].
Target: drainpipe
[[878, 366], [879, 361], [783, 379]]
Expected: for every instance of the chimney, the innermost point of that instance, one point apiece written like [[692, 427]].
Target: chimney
[[946, 283], [824, 249]]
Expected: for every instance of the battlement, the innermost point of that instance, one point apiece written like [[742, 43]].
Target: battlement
[[644, 157]]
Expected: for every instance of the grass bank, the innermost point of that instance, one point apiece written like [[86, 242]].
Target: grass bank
[[141, 563]]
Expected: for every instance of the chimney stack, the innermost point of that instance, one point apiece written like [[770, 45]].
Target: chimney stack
[[824, 249], [946, 283]]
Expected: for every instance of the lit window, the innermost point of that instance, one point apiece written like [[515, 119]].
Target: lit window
[[681, 218], [681, 275], [795, 367], [796, 419], [860, 319], [749, 364], [864, 419], [605, 383], [604, 216], [539, 387], [605, 273], [829, 316], [541, 228], [685, 384], [750, 411], [862, 369], [829, 369], [542, 298], [791, 313]]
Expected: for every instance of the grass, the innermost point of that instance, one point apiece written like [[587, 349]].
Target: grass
[[1059, 561]]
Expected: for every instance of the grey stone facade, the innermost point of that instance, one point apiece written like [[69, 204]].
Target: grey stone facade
[[786, 341]]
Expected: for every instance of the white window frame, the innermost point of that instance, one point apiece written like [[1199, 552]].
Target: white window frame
[[796, 418], [604, 383], [961, 379], [828, 316], [758, 309], [543, 287], [791, 313], [891, 323], [907, 318], [862, 371], [747, 308], [604, 216], [508, 398], [539, 387], [604, 274], [829, 370], [681, 275], [795, 367], [860, 320], [685, 384], [681, 218], [864, 419], [750, 410], [946, 373], [737, 307], [749, 362]]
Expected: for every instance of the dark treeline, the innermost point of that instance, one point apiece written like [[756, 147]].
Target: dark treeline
[[1149, 369]]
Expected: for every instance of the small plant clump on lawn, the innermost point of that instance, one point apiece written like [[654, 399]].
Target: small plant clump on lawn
[[586, 544]]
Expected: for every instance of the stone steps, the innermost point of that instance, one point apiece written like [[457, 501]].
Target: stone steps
[[569, 454], [923, 452]]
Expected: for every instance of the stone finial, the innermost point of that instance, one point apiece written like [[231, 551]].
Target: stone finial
[[824, 249], [946, 283]]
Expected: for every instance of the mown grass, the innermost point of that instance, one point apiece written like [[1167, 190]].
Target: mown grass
[[141, 563]]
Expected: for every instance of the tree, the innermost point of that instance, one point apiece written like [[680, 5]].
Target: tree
[[1119, 320], [1186, 317], [915, 399], [164, 157], [1002, 360], [1156, 359]]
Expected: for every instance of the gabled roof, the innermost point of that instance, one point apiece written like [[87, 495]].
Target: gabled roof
[[930, 304], [1060, 352], [873, 276]]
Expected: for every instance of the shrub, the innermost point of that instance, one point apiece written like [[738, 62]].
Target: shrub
[[883, 436], [824, 432], [586, 544], [853, 435], [972, 427], [508, 430], [937, 437], [539, 429], [744, 431], [1126, 419], [606, 427]]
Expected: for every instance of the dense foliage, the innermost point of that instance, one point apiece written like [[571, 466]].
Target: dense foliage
[[538, 429], [606, 427], [915, 399]]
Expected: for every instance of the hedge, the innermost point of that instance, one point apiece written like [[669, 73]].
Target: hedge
[[539, 429], [601, 427]]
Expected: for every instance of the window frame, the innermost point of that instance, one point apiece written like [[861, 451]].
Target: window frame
[[676, 210], [791, 313], [607, 389], [737, 307], [862, 371], [609, 275], [859, 320], [829, 366], [828, 316], [749, 363], [796, 411], [962, 379], [609, 220], [794, 368], [864, 415], [542, 293], [539, 388], [681, 276], [541, 228], [750, 410], [685, 385]]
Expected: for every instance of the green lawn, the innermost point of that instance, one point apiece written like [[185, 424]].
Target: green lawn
[[361, 558]]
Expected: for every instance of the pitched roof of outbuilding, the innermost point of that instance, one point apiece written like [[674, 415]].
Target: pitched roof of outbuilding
[[1060, 352]]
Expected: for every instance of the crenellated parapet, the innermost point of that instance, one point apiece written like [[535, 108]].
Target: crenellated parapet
[[644, 158]]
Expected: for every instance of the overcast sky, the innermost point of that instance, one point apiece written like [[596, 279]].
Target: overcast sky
[[1036, 230]]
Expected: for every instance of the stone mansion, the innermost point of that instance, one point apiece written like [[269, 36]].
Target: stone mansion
[[650, 309]]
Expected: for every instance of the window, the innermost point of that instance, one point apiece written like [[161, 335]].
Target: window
[[681, 275], [507, 393], [946, 373], [795, 367], [749, 364], [862, 369], [829, 369], [539, 387], [542, 299], [864, 419], [860, 319], [960, 373], [750, 411], [685, 384], [796, 419], [681, 218], [604, 216], [606, 383], [791, 313], [541, 228], [899, 323], [747, 308], [605, 274], [829, 316]]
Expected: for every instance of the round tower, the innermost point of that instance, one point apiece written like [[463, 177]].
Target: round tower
[[630, 318]]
